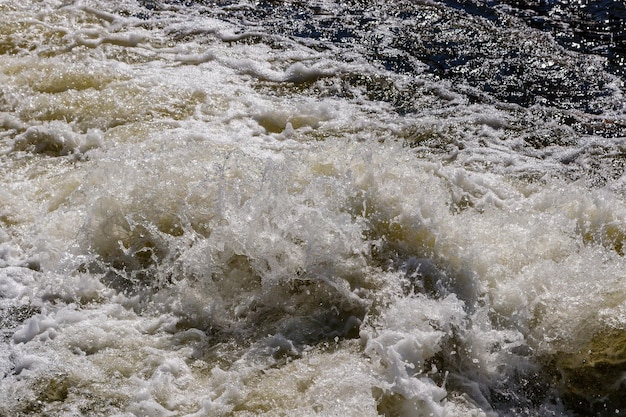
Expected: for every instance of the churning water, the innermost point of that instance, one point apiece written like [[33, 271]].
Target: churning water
[[333, 208]]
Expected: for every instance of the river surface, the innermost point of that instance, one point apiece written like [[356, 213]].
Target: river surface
[[312, 208]]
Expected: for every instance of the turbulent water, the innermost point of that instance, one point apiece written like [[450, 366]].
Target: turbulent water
[[317, 207]]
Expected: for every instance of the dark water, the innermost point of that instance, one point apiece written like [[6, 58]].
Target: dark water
[[590, 27], [485, 48]]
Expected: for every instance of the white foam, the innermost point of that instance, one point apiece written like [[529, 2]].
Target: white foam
[[226, 227]]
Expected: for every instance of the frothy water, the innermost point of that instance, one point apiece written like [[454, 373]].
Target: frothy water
[[311, 208]]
